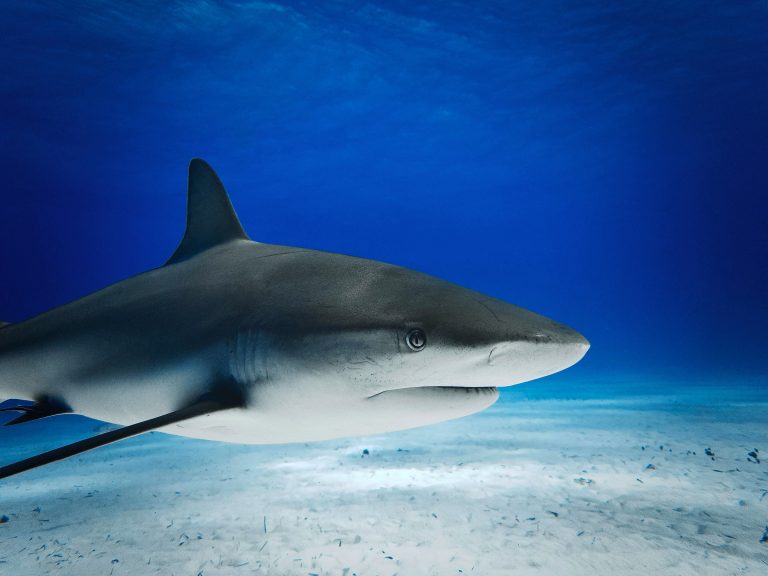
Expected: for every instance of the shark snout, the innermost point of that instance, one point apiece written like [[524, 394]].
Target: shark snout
[[560, 334], [540, 352]]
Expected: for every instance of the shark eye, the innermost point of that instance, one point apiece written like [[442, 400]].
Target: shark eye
[[416, 339]]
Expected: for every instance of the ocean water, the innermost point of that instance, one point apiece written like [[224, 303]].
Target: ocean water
[[603, 164]]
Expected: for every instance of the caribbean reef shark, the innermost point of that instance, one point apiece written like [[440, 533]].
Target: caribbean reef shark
[[240, 341]]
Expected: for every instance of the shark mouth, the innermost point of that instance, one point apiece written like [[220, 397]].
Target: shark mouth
[[468, 390]]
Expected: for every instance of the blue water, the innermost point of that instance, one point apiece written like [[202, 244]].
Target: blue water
[[600, 163]]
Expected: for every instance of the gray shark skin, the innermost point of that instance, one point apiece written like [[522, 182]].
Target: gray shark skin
[[314, 345]]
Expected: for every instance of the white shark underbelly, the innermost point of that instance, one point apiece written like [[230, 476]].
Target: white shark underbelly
[[294, 423]]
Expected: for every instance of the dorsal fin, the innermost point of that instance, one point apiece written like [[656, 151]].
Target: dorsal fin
[[211, 220]]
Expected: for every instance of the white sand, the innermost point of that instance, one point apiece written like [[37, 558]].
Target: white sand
[[528, 487]]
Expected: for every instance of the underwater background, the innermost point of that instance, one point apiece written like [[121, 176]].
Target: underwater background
[[602, 163]]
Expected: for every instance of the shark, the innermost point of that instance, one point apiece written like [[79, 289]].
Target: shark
[[246, 342]]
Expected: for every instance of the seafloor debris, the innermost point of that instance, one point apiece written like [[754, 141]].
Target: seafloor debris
[[583, 481], [764, 539], [4, 519], [365, 453], [753, 456], [709, 452], [650, 467]]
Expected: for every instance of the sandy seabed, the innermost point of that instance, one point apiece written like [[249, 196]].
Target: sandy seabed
[[563, 487]]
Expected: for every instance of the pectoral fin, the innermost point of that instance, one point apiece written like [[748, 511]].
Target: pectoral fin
[[203, 406]]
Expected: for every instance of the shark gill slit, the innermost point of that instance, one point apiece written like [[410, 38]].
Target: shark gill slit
[[246, 358]]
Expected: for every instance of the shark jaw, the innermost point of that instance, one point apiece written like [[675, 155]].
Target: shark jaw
[[469, 390]]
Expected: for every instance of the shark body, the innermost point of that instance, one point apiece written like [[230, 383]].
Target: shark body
[[247, 342]]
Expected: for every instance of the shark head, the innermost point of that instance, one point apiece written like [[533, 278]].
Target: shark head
[[367, 347], [340, 346]]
